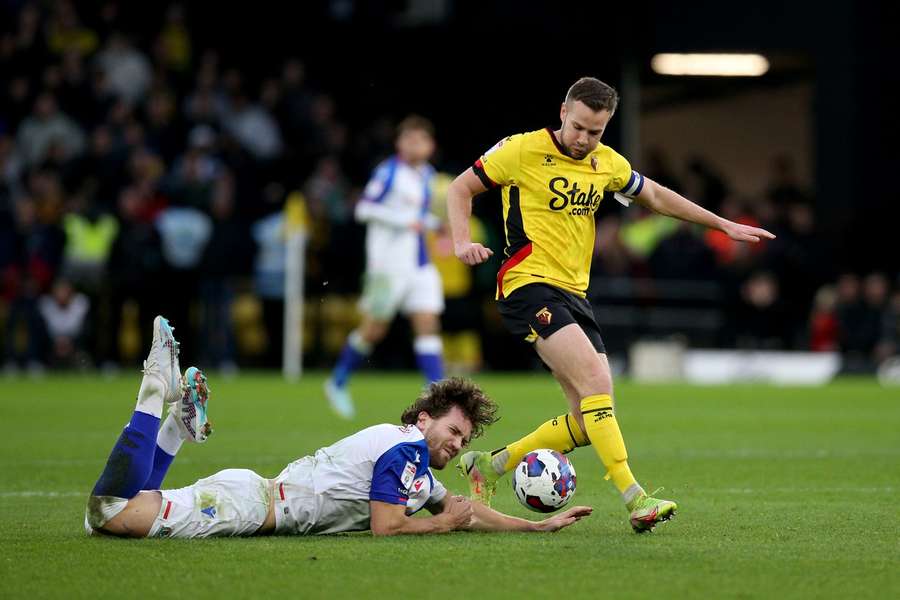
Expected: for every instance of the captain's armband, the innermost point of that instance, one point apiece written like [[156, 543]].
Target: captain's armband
[[631, 189]]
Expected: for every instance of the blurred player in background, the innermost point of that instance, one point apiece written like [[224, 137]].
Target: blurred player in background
[[375, 479], [399, 276], [552, 183]]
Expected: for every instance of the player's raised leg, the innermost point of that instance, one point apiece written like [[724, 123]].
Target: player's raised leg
[[187, 421], [574, 360], [131, 461]]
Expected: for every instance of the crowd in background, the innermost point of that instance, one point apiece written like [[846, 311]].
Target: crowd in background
[[141, 174]]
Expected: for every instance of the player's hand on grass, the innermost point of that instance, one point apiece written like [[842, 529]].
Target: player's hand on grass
[[564, 519], [472, 253], [459, 512], [746, 233]]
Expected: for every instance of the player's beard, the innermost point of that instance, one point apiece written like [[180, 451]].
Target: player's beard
[[576, 153], [440, 454]]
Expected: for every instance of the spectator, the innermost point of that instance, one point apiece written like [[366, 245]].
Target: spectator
[[801, 258], [29, 48], [296, 103], [100, 172], [126, 68], [228, 257], [37, 248], [64, 312], [268, 274], [732, 255], [253, 127], [89, 238], [136, 264], [174, 42], [184, 233], [760, 321], [889, 342], [164, 134], [860, 314], [824, 327], [47, 126], [194, 173], [65, 32]]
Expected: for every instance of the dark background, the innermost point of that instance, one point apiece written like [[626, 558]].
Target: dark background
[[483, 70]]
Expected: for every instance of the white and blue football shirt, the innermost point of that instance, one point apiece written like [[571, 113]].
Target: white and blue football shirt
[[330, 491], [397, 196]]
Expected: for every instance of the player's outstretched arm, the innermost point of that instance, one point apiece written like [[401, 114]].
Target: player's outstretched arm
[[488, 519], [391, 519], [459, 209], [661, 199]]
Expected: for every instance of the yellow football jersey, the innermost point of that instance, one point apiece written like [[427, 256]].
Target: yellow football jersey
[[549, 201]]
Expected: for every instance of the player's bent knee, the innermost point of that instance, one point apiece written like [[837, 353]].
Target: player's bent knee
[[122, 517], [102, 509], [373, 331]]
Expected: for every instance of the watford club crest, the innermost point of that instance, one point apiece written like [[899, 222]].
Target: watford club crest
[[594, 162], [544, 316]]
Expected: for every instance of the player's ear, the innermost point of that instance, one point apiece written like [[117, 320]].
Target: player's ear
[[562, 112], [423, 418]]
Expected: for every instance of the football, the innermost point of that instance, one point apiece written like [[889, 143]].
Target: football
[[544, 481]]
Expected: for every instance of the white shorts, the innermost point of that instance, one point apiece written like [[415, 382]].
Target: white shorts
[[386, 293], [233, 502]]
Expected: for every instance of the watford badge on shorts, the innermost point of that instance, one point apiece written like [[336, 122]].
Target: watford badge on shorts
[[544, 316]]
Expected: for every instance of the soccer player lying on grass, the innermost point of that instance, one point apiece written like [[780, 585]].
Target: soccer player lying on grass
[[375, 479]]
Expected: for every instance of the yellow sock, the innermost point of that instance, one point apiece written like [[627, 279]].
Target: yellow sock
[[561, 434], [603, 431]]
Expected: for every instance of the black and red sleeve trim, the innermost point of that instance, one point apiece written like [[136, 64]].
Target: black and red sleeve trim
[[478, 168]]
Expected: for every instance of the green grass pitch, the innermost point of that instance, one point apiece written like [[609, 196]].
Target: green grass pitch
[[783, 493]]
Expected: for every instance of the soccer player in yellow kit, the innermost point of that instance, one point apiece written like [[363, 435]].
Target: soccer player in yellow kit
[[552, 183]]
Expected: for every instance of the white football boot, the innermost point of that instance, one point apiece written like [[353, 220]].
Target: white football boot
[[339, 399], [162, 373], [190, 410]]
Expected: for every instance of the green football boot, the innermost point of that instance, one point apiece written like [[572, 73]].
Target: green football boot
[[476, 467], [647, 511]]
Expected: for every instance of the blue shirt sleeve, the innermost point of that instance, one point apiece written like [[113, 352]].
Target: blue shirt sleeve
[[395, 471], [380, 183]]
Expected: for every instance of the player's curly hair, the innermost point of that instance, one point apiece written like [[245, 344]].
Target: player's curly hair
[[441, 396], [595, 94]]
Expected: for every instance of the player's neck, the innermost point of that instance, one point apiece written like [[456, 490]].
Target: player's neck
[[413, 164], [557, 140]]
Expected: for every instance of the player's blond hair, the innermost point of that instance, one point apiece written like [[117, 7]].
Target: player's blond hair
[[441, 396]]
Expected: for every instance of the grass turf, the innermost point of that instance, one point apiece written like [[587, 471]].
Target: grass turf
[[783, 492]]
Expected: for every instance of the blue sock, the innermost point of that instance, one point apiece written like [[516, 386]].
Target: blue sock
[[431, 365], [429, 357], [355, 351], [161, 462], [131, 459], [168, 443]]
